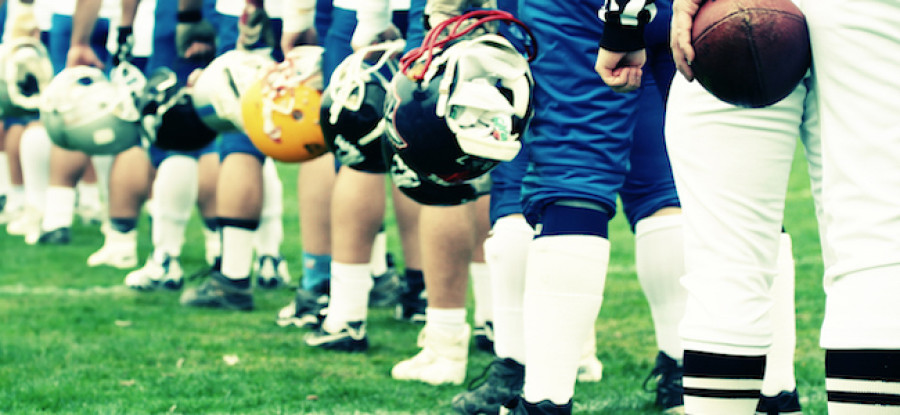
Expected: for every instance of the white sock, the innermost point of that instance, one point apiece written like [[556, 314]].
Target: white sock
[[4, 173], [15, 199], [378, 262], [174, 196], [447, 321], [659, 262], [481, 290], [564, 280], [34, 153], [506, 251], [349, 301], [103, 166], [779, 374], [59, 209], [270, 233], [237, 252], [88, 195]]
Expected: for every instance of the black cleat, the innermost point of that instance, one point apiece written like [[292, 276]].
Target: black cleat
[[669, 389], [502, 381], [519, 406], [307, 310], [386, 289], [783, 403], [58, 236], [484, 337], [218, 292], [411, 306], [350, 338]]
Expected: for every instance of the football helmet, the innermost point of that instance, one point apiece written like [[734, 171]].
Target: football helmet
[[216, 94], [25, 70], [84, 110], [431, 190], [352, 113], [280, 111], [167, 115], [460, 110]]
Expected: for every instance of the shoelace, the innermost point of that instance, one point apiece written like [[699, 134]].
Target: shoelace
[[436, 40]]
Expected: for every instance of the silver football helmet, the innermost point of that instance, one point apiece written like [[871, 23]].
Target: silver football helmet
[[25, 70], [84, 110]]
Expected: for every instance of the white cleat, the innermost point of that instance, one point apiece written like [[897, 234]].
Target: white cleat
[[442, 360], [590, 369], [25, 220], [272, 272], [155, 274], [119, 250]]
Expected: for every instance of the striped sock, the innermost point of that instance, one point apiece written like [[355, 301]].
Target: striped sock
[[863, 381], [721, 384]]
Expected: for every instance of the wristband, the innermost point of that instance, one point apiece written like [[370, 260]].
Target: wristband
[[190, 16]]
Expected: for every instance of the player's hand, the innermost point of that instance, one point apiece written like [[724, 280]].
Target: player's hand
[[305, 38], [82, 55], [386, 35], [683, 12], [254, 28], [195, 38], [24, 24], [621, 71]]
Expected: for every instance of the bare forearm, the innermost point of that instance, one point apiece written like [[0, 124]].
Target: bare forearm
[[129, 10], [83, 21]]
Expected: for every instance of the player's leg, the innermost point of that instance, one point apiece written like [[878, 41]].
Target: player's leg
[[412, 300], [239, 196], [862, 233], [483, 313], [732, 223], [11, 181], [174, 195], [357, 212], [208, 173], [271, 267], [448, 238], [31, 157]]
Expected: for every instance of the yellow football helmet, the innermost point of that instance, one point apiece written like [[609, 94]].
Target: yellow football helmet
[[280, 111]]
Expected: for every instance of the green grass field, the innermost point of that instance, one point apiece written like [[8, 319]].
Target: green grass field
[[75, 340]]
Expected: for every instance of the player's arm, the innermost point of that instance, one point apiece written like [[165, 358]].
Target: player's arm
[[83, 21], [621, 55], [298, 18], [683, 12], [125, 32]]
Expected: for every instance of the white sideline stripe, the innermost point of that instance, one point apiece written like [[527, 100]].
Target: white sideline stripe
[[20, 289], [722, 383], [862, 386]]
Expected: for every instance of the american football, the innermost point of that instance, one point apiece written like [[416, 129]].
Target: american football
[[750, 53]]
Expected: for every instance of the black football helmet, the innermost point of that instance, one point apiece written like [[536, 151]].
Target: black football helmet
[[167, 115], [352, 112], [461, 109], [431, 190]]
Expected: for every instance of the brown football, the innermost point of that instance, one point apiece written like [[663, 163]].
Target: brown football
[[750, 53]]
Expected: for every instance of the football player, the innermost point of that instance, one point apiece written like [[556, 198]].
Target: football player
[[858, 223]]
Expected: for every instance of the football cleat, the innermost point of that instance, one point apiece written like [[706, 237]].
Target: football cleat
[[785, 403], [218, 292], [501, 382], [411, 305], [386, 289], [519, 406], [590, 369], [272, 272], [27, 221], [484, 336], [306, 310], [350, 338], [442, 359], [58, 236], [157, 274], [119, 250], [669, 388]]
